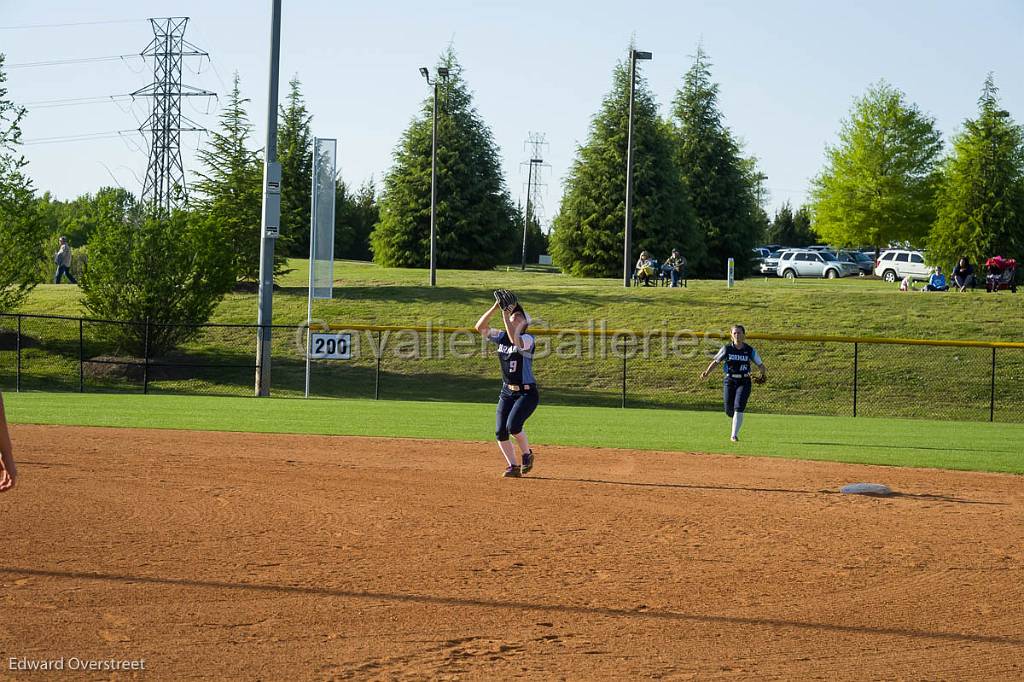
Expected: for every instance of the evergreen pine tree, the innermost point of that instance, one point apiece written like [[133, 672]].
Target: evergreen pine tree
[[587, 234], [724, 187], [803, 231], [231, 188], [355, 214], [791, 228], [536, 240], [783, 227], [295, 154], [475, 215], [980, 201]]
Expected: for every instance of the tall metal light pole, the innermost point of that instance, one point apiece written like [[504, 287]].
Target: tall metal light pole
[[627, 269], [442, 73], [271, 213]]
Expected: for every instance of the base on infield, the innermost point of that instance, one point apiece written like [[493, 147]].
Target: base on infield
[[876, 489]]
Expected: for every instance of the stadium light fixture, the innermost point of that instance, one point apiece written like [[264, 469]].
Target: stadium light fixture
[[442, 73], [627, 246]]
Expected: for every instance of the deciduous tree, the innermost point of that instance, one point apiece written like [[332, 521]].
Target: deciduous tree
[[22, 228], [878, 184]]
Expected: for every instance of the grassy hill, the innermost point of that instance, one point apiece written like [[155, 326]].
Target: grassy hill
[[366, 293], [815, 378]]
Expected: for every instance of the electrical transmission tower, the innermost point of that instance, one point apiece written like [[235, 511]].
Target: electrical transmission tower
[[164, 188], [536, 143]]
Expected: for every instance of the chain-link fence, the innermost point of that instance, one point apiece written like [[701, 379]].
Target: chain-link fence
[[969, 381]]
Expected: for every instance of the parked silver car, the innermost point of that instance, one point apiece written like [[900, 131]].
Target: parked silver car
[[806, 263], [865, 263]]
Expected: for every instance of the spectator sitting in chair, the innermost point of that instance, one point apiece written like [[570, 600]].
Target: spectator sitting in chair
[[937, 282], [645, 269], [963, 275], [675, 266]]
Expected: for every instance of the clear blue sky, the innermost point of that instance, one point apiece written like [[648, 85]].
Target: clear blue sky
[[788, 72]]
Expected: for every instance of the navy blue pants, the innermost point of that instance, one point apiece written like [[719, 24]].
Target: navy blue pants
[[735, 393], [514, 408], [62, 271]]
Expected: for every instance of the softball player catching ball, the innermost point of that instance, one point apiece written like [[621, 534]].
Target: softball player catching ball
[[737, 358], [8, 472], [518, 398]]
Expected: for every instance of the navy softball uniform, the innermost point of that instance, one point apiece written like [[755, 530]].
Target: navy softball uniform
[[736, 363], [519, 397]]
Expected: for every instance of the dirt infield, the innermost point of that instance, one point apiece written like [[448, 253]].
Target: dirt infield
[[222, 555]]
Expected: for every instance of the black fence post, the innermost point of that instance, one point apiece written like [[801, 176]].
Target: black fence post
[[17, 381], [81, 356], [145, 362], [624, 372], [855, 354], [376, 376], [992, 396]]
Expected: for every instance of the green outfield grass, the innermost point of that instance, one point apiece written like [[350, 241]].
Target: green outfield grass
[[892, 442]]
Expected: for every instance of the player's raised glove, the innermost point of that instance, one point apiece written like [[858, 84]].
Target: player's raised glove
[[506, 299]]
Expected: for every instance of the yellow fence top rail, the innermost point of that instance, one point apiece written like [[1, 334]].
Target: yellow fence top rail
[[679, 333]]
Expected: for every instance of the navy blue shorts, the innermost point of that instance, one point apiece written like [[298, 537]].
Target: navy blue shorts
[[735, 393], [514, 408]]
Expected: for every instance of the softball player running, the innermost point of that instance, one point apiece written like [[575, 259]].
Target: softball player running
[[8, 472], [737, 358], [518, 398]]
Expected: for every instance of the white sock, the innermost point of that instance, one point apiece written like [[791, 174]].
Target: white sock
[[509, 451], [524, 443], [737, 422]]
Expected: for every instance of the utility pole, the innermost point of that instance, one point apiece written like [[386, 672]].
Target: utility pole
[[271, 213], [165, 188], [536, 141]]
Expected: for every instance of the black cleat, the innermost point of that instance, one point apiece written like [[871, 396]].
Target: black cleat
[[527, 462], [513, 471]]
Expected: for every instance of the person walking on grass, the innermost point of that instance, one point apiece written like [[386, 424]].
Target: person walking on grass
[[63, 260], [8, 472], [518, 398], [737, 358]]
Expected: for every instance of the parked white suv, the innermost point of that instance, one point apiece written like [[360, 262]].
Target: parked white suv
[[895, 264], [806, 263]]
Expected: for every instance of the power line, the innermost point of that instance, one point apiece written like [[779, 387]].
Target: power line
[[83, 137], [83, 60], [51, 103], [78, 23]]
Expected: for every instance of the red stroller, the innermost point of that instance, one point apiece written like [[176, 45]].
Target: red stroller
[[1001, 274]]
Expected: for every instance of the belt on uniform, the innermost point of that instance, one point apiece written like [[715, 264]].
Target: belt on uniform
[[738, 376], [517, 387]]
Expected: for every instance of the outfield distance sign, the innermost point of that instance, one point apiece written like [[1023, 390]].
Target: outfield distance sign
[[333, 346]]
